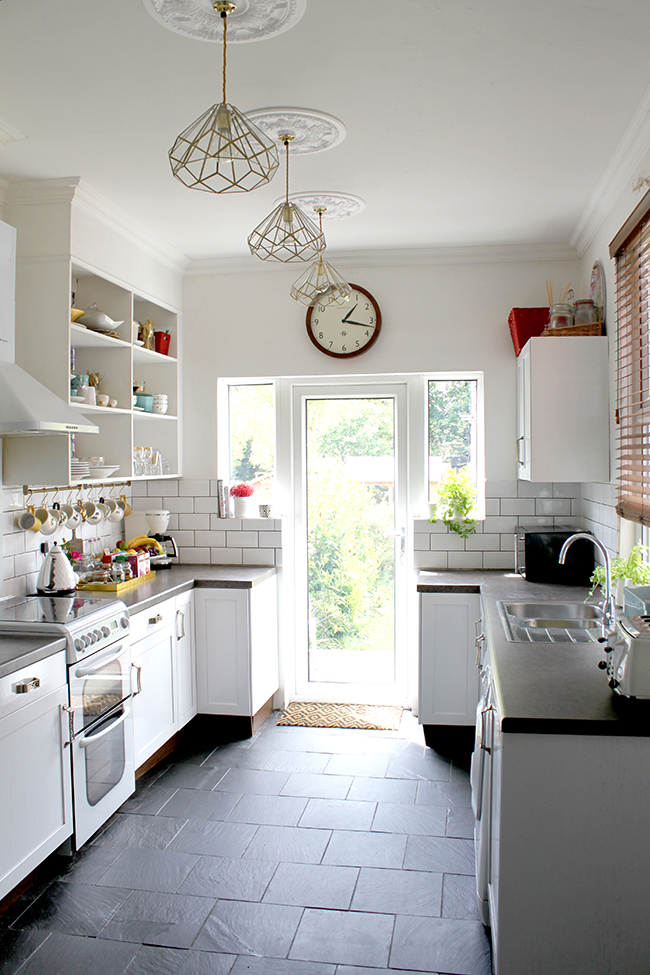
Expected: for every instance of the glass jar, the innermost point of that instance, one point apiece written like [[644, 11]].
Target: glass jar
[[585, 312], [561, 315]]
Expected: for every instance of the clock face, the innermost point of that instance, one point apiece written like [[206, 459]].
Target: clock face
[[345, 330]]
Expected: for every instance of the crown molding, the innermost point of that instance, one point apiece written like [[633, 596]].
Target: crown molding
[[405, 257], [621, 169], [68, 189]]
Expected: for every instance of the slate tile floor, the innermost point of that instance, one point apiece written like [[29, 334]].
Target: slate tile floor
[[297, 852]]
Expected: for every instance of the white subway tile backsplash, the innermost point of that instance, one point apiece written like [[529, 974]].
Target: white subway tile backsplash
[[517, 506], [492, 506], [187, 539], [430, 560], [258, 556], [447, 543], [195, 556], [15, 544], [226, 556], [188, 522], [566, 490], [482, 543], [139, 489], [501, 489], [213, 539], [555, 507], [465, 560], [25, 563], [241, 539], [270, 539], [179, 505], [421, 542], [194, 489], [205, 504], [498, 560], [534, 489], [500, 524]]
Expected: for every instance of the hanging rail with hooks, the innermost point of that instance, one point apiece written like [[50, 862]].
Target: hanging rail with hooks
[[74, 487]]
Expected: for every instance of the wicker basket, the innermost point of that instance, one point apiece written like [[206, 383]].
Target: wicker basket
[[591, 328]]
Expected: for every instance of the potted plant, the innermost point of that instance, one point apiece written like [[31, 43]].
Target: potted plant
[[456, 500], [242, 494], [633, 568]]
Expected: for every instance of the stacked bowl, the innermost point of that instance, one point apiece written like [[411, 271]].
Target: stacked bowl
[[160, 403]]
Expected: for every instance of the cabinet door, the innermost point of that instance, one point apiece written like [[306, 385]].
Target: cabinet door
[[155, 710], [523, 414], [223, 651], [185, 658], [449, 678], [264, 642], [35, 798]]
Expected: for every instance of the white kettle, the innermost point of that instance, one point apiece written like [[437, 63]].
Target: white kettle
[[57, 577]]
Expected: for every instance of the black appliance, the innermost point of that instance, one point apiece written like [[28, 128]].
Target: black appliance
[[537, 553], [170, 554]]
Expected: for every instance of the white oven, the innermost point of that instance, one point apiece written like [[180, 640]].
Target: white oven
[[481, 781]]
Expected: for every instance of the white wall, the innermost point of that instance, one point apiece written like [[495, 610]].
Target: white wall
[[436, 317]]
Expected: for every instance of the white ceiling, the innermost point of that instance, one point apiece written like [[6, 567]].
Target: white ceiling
[[469, 122]]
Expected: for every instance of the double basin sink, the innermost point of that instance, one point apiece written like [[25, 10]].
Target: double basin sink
[[551, 622]]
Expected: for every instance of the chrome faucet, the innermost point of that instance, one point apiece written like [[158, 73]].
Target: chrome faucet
[[609, 605]]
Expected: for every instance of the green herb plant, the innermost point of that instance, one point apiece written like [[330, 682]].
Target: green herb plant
[[456, 501], [632, 568]]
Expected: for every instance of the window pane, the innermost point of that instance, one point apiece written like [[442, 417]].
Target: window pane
[[251, 429], [452, 429]]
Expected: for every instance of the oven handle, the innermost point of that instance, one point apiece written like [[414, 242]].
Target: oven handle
[[85, 741], [100, 661]]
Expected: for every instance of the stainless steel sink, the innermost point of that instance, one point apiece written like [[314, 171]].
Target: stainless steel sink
[[550, 622]]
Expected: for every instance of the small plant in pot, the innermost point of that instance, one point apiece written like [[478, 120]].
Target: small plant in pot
[[456, 501], [242, 493], [632, 569]]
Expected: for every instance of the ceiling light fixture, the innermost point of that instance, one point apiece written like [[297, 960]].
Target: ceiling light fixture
[[287, 234], [320, 283], [222, 151]]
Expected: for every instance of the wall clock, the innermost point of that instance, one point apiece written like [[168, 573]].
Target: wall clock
[[344, 331]]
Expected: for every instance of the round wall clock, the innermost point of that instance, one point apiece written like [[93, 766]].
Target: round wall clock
[[344, 331]]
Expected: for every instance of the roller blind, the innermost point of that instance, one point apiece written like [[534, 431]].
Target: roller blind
[[633, 370]]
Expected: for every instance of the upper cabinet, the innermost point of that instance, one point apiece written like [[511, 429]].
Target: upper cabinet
[[102, 265], [563, 409]]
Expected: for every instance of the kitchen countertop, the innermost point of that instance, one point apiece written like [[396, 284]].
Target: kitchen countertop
[[17, 652], [553, 688]]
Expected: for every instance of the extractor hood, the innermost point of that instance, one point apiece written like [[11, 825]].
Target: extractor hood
[[26, 406]]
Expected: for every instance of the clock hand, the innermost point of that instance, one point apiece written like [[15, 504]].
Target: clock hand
[[361, 324], [349, 313]]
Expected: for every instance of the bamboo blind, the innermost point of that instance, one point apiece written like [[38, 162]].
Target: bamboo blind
[[633, 373]]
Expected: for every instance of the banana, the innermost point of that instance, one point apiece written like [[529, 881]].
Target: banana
[[143, 541]]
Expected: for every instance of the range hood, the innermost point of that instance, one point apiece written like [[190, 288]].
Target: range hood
[[26, 406]]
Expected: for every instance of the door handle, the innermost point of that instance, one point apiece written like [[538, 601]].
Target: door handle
[[401, 534]]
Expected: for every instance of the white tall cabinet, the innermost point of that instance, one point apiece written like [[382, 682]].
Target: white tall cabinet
[[68, 241], [563, 409]]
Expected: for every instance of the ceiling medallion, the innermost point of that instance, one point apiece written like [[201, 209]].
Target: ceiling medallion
[[312, 131], [254, 20], [335, 205]]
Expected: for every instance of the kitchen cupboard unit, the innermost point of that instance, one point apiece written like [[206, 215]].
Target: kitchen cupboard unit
[[448, 675], [563, 409], [237, 649], [36, 793], [47, 341], [186, 657]]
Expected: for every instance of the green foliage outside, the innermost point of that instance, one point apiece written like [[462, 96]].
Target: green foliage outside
[[252, 436], [450, 409]]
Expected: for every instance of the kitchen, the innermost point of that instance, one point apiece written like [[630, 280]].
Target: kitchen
[[443, 304]]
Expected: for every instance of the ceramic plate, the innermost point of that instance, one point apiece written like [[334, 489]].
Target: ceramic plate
[[106, 471]]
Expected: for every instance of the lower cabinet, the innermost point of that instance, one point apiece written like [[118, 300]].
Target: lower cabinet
[[162, 653], [236, 648], [448, 678], [36, 793]]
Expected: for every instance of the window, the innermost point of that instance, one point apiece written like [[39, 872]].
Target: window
[[251, 437], [631, 248], [453, 433]]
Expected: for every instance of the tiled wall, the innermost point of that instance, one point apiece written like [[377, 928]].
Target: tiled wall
[[202, 537], [22, 556], [599, 514], [509, 505]]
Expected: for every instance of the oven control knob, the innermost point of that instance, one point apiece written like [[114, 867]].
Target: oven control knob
[[124, 622], [105, 631], [80, 644], [90, 638], [97, 634]]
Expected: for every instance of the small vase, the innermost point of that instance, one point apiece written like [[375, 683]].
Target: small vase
[[243, 507]]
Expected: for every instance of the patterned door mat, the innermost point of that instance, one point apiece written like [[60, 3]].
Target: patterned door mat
[[371, 717]]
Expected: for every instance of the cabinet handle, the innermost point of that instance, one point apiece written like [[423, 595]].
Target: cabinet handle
[[28, 685], [180, 624], [138, 680], [484, 713], [477, 623], [70, 714], [521, 441], [156, 619], [477, 643]]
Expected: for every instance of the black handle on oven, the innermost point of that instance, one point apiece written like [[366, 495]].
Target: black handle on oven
[[85, 740]]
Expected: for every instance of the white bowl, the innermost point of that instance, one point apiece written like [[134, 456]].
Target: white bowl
[[99, 472]]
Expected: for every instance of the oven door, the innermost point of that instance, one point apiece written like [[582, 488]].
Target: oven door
[[102, 747], [481, 782]]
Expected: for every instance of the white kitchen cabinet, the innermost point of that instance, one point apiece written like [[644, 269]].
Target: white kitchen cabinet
[[563, 409], [236, 648], [186, 658], [153, 655], [449, 678], [35, 772], [46, 339]]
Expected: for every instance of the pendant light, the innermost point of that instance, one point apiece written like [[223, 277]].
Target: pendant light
[[222, 151], [320, 283], [287, 234]]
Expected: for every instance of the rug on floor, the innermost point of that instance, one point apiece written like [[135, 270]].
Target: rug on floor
[[371, 717]]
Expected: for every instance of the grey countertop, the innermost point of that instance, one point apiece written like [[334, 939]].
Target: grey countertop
[[18, 652], [553, 688]]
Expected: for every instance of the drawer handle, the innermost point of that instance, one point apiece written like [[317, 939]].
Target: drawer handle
[[26, 686], [156, 619]]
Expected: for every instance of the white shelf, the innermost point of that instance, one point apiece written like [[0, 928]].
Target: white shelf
[[147, 357], [86, 408], [84, 338], [153, 416]]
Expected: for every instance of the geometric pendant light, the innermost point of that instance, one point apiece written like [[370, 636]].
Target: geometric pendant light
[[286, 234], [320, 283], [223, 151]]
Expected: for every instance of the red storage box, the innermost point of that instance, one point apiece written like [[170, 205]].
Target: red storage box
[[527, 323]]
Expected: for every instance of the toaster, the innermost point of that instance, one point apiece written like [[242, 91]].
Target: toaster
[[628, 662]]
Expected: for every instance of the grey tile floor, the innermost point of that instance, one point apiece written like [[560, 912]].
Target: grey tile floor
[[297, 852]]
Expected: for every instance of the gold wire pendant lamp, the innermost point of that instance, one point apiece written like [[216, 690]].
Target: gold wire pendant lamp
[[321, 282], [222, 151], [287, 234]]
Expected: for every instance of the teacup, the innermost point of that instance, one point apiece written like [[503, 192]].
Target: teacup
[[61, 515], [105, 510], [49, 519], [94, 514], [28, 521], [116, 512], [73, 515], [124, 504]]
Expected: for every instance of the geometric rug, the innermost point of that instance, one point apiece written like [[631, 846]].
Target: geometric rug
[[371, 717]]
